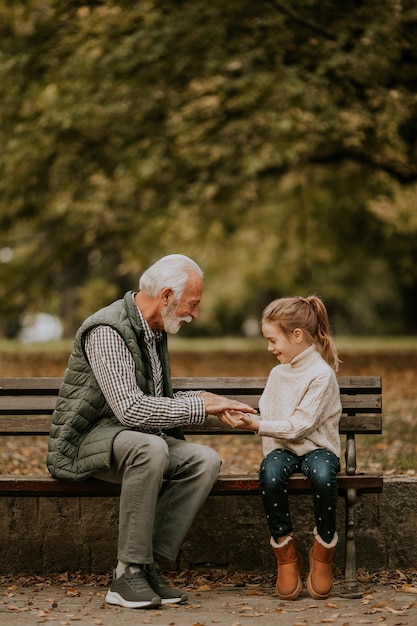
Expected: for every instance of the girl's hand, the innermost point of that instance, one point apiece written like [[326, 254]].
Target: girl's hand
[[237, 419], [227, 418]]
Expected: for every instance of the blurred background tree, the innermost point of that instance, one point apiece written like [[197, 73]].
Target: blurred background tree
[[274, 142]]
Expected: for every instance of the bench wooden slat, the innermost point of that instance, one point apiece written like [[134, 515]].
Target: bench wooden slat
[[27, 405], [28, 386], [44, 485], [24, 426], [346, 383], [44, 405], [359, 424]]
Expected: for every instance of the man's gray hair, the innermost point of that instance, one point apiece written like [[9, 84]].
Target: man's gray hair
[[170, 271]]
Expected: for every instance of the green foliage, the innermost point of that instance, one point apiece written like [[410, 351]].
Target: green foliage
[[260, 138]]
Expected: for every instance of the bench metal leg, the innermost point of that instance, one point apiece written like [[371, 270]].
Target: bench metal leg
[[350, 589]]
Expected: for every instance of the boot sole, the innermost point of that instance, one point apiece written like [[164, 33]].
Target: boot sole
[[313, 593], [294, 594]]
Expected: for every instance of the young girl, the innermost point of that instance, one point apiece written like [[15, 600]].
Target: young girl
[[299, 422]]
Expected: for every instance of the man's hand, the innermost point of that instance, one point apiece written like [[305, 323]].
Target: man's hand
[[217, 404]]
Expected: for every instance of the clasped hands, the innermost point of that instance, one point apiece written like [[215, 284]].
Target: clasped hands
[[232, 412], [239, 419]]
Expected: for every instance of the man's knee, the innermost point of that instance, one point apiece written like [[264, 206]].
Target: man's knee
[[208, 459], [151, 451]]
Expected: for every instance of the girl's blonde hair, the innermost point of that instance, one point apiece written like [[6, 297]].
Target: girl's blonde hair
[[310, 315]]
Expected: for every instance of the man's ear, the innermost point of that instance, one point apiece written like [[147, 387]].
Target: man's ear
[[165, 295]]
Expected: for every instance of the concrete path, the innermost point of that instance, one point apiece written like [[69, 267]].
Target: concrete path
[[66, 605]]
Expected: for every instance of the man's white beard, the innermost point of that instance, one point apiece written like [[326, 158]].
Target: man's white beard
[[172, 323]]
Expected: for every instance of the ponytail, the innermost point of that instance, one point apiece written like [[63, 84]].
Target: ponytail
[[309, 314]]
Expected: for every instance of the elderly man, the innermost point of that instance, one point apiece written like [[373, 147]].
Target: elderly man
[[117, 419]]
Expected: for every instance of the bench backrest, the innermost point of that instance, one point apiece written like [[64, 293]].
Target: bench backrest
[[33, 399]]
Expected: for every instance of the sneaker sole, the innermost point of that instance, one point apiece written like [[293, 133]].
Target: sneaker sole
[[115, 598], [180, 600]]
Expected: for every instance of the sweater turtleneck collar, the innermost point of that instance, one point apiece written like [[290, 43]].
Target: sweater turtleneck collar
[[305, 358]]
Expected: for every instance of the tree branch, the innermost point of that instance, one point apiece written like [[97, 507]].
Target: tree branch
[[304, 22], [402, 172]]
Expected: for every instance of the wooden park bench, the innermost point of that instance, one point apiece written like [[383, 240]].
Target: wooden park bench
[[27, 403]]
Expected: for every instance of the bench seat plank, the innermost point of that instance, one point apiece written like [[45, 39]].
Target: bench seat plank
[[44, 485]]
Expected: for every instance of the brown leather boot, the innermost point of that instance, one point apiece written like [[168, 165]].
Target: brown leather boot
[[320, 578], [289, 564]]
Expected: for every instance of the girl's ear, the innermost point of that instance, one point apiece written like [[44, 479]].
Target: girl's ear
[[298, 335]]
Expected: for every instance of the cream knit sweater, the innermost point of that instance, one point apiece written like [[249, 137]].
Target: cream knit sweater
[[300, 407]]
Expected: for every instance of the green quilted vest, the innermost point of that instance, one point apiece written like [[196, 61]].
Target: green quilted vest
[[83, 426]]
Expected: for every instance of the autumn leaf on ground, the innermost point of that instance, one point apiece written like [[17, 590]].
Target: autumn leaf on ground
[[73, 592]]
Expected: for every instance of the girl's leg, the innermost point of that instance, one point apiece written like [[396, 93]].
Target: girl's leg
[[321, 467], [275, 471]]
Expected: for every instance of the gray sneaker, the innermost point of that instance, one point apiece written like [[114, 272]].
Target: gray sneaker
[[132, 591], [161, 587]]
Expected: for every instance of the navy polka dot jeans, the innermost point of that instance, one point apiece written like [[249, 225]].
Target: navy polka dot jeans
[[320, 467]]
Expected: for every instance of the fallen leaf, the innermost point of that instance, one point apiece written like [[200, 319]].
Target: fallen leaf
[[396, 611], [409, 588], [254, 592], [408, 606]]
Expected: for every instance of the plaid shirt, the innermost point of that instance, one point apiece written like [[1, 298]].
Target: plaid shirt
[[114, 369]]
